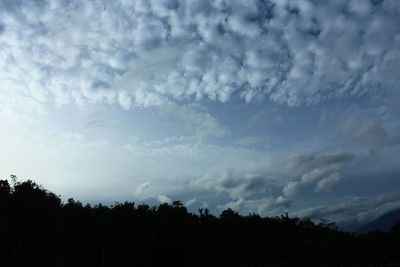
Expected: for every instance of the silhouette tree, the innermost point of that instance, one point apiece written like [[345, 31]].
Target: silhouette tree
[[37, 229]]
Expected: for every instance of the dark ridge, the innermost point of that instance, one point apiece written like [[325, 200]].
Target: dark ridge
[[383, 223]]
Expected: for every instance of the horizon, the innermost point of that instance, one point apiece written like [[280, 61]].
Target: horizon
[[263, 106], [383, 223]]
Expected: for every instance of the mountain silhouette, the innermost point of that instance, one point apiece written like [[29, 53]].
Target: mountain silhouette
[[383, 223]]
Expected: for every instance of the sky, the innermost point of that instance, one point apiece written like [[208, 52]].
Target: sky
[[260, 106]]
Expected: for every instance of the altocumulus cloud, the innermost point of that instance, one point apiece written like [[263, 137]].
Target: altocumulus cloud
[[147, 53]]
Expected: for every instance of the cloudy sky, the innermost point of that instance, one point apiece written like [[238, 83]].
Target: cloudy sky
[[261, 106]]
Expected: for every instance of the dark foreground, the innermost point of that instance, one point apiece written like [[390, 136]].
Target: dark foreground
[[37, 229]]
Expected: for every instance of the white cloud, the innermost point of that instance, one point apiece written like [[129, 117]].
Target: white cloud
[[190, 202], [125, 100], [294, 53], [324, 169], [327, 183], [203, 124], [142, 190], [163, 199], [294, 187], [236, 186], [301, 163]]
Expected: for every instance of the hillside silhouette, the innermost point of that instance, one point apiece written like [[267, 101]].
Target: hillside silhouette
[[382, 223], [38, 229]]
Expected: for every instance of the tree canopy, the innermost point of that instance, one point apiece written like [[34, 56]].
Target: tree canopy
[[38, 229]]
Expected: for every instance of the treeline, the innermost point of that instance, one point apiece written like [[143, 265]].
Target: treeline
[[37, 229]]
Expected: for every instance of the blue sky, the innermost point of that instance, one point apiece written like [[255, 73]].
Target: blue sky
[[262, 106]]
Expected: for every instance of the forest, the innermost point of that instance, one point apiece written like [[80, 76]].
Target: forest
[[38, 229]]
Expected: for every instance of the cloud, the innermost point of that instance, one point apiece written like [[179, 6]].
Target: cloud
[[327, 183], [163, 199], [313, 161], [142, 190], [366, 130], [204, 124], [151, 52], [190, 202], [236, 186], [113, 157], [316, 167], [292, 188], [124, 100]]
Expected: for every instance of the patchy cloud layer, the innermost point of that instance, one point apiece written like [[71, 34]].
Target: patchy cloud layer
[[152, 52], [322, 168]]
